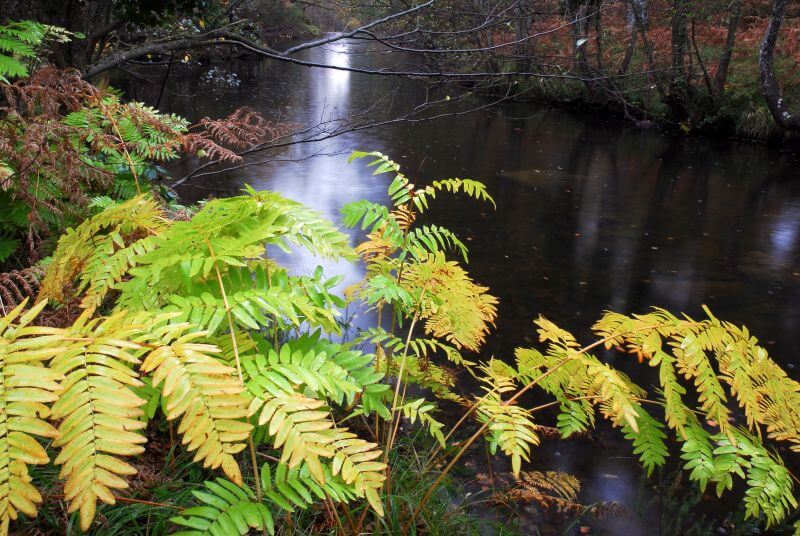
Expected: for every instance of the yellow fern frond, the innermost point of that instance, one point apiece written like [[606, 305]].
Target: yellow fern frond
[[99, 412], [299, 426], [302, 427], [685, 346], [456, 309], [76, 247], [375, 247], [206, 393], [26, 387], [354, 459], [554, 483], [404, 216]]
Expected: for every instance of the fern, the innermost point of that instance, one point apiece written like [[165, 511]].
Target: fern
[[205, 393], [18, 286], [331, 371], [302, 426], [403, 191], [98, 411], [761, 388], [434, 239], [204, 327], [225, 509], [77, 254], [511, 427], [307, 434], [680, 347], [225, 233], [26, 389], [292, 488], [453, 306], [18, 42], [421, 410]]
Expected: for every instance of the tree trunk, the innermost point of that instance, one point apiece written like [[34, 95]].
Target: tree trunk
[[770, 88], [598, 34], [522, 23], [634, 7], [680, 42], [727, 51], [639, 14], [577, 11]]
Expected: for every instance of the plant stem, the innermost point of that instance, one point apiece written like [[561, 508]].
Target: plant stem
[[251, 445], [511, 400], [125, 152]]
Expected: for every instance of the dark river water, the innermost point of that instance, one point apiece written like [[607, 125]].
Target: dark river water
[[590, 215]]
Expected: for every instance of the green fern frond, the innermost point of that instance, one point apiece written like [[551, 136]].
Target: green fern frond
[[330, 371], [224, 234], [649, 440], [429, 239], [564, 381], [402, 191], [108, 264], [292, 488], [769, 484], [370, 215], [421, 410], [472, 188], [697, 450], [511, 429], [20, 39], [110, 228], [226, 508], [384, 289]]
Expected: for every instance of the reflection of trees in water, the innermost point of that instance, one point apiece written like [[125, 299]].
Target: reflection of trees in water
[[582, 204], [647, 219]]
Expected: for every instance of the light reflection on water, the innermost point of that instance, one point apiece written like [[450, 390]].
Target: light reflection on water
[[591, 216]]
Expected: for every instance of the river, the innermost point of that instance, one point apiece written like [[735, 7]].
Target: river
[[591, 214]]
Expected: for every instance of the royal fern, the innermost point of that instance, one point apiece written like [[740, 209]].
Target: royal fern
[[205, 393], [98, 411], [225, 509], [200, 323], [680, 347], [27, 387]]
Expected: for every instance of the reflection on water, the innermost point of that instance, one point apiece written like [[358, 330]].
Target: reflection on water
[[590, 216]]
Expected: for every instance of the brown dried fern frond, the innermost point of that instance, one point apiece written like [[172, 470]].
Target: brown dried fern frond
[[557, 491], [219, 139], [18, 285]]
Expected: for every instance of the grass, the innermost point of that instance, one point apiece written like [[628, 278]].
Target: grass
[[166, 481]]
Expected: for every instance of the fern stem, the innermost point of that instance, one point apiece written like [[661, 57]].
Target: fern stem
[[391, 429], [399, 381], [378, 351], [349, 516], [125, 152], [489, 420], [125, 500], [251, 445]]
